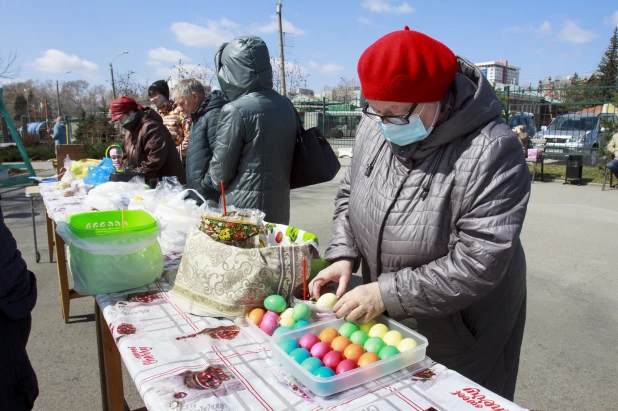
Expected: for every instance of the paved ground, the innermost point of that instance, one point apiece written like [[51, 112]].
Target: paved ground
[[569, 353]]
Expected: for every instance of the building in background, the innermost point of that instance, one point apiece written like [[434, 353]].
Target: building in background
[[305, 92], [500, 73]]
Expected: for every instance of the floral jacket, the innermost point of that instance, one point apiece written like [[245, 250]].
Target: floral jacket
[[176, 121]]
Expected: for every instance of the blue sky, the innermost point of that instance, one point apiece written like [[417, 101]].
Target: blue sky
[[543, 38]]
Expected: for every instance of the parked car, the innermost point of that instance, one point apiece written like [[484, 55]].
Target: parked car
[[340, 131], [577, 132], [523, 119]]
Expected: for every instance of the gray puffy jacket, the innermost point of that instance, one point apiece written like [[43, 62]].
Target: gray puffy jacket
[[256, 132], [437, 224]]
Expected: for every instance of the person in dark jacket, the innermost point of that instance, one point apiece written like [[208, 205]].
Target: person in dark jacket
[[191, 97], [148, 145], [432, 206], [18, 292], [256, 133], [60, 131]]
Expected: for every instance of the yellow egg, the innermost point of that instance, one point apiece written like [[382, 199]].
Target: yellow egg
[[378, 330], [367, 326], [392, 338], [287, 313], [287, 322], [407, 344], [327, 300]]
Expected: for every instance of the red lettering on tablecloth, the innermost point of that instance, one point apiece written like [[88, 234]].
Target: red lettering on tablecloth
[[145, 354], [474, 397]]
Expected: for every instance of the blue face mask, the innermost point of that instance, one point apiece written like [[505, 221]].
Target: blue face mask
[[404, 134]]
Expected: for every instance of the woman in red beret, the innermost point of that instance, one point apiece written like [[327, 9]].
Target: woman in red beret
[[432, 207]]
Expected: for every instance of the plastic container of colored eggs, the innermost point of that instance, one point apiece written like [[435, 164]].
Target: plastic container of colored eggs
[[277, 318], [332, 356]]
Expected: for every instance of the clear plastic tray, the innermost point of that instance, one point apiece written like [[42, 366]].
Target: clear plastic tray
[[332, 385]]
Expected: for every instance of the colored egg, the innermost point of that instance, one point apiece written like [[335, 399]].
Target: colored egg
[[340, 343], [328, 335], [271, 315], [388, 351], [320, 349], [275, 303], [307, 341], [353, 352], [287, 322], [407, 344], [368, 358], [256, 315], [378, 330], [347, 329], [300, 324], [374, 344], [299, 355], [311, 364], [288, 345], [282, 330], [323, 372], [345, 366], [393, 337], [326, 301], [367, 326], [269, 326], [301, 312], [332, 359], [287, 313], [359, 337]]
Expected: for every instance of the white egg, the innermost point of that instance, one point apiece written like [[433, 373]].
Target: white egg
[[327, 300]]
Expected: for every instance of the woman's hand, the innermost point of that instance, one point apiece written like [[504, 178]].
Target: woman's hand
[[361, 304], [339, 272]]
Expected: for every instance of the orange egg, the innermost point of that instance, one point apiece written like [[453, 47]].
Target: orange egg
[[368, 358], [256, 316], [353, 352], [340, 343], [328, 335]]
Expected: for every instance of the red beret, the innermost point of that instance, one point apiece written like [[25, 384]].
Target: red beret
[[122, 105], [407, 67]]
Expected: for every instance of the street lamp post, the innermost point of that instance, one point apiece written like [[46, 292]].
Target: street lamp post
[[345, 96], [58, 92], [27, 103], [111, 70]]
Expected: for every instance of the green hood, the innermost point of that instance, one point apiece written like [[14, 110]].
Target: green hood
[[112, 146], [243, 66]]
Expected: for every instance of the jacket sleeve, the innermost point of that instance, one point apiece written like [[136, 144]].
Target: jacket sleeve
[[155, 148], [18, 290], [493, 212], [342, 244], [611, 147], [229, 143]]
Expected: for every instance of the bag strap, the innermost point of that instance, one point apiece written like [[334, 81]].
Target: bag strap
[[299, 123]]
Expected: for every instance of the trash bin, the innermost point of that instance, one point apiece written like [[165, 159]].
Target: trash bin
[[574, 166]]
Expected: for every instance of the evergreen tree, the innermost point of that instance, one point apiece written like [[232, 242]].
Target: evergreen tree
[[609, 63]]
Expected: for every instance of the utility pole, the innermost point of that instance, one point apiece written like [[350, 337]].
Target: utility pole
[[281, 59]]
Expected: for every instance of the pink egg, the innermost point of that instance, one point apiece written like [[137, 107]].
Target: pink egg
[[319, 350], [332, 359], [268, 326], [307, 341], [345, 366], [271, 314]]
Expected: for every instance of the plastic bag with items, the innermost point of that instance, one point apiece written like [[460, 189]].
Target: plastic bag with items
[[177, 215], [99, 174], [165, 191], [99, 198]]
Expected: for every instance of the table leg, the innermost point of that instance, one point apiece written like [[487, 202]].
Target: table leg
[[50, 236], [111, 371], [36, 250], [63, 277]]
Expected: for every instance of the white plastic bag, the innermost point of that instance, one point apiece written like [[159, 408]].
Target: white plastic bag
[[176, 217], [112, 263]]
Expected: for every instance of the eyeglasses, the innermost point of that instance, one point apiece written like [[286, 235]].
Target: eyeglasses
[[399, 120]]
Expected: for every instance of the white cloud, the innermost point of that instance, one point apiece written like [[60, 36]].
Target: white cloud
[[544, 29], [273, 27], [385, 6], [572, 33], [509, 32], [612, 20], [163, 54], [327, 68], [153, 63], [212, 35], [56, 61]]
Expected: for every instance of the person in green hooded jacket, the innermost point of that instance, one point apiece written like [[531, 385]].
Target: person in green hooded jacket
[[116, 153]]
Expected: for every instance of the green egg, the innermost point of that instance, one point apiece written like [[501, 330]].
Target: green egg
[[288, 345], [347, 329], [301, 312], [388, 351], [300, 355], [374, 345], [275, 303], [359, 337]]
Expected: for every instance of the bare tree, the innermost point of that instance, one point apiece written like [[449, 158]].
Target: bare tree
[[295, 76], [202, 72], [8, 69], [128, 85]]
